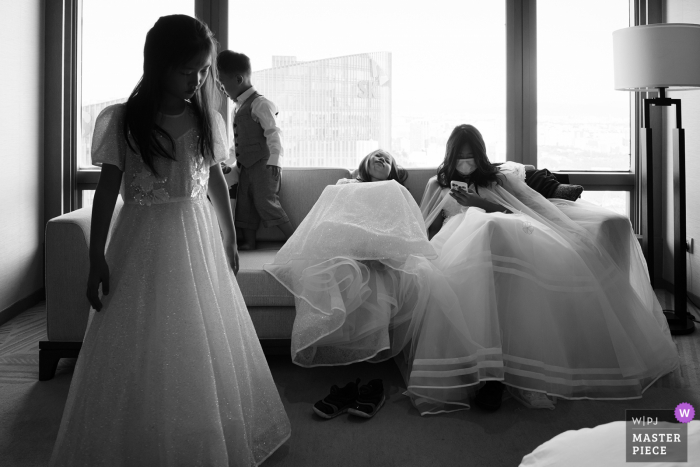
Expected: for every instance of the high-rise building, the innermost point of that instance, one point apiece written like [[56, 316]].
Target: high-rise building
[[333, 111]]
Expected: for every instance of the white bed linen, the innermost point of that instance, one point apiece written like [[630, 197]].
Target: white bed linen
[[603, 445]]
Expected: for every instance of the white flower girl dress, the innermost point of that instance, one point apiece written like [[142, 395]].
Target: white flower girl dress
[[171, 371]]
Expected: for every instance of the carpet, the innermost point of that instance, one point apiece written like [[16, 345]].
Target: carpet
[[30, 412]]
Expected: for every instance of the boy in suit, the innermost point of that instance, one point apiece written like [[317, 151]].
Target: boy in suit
[[257, 151]]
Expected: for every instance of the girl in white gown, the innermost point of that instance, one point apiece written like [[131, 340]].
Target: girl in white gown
[[358, 266], [550, 308], [171, 371]]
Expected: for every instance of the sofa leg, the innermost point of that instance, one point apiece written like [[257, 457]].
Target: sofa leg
[[51, 352], [48, 363]]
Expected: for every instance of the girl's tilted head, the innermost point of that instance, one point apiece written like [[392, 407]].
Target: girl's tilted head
[[179, 56], [179, 67], [466, 159], [379, 165]]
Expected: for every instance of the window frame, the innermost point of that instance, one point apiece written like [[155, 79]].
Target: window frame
[[65, 181], [61, 83], [521, 106]]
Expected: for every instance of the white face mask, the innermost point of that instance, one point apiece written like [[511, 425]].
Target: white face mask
[[465, 166]]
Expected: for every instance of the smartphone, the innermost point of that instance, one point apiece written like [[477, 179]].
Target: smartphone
[[456, 185]]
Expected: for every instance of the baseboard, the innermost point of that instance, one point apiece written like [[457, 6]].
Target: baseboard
[[21, 305]]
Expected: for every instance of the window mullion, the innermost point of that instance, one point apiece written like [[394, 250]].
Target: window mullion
[[215, 14], [529, 79], [60, 107], [521, 81]]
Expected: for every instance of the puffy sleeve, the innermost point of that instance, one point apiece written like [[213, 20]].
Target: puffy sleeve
[[219, 139], [108, 143]]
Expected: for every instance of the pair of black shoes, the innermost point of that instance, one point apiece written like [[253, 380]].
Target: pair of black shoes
[[362, 401]]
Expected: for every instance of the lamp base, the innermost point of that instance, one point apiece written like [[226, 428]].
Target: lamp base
[[679, 326]]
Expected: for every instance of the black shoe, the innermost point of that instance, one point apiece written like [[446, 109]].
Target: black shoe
[[370, 399], [489, 396], [568, 192], [338, 401]]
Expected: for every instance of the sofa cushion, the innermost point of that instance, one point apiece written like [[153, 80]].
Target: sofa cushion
[[258, 287], [417, 181], [301, 187]]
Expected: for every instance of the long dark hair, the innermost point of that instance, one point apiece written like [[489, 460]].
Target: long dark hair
[[171, 42], [485, 174], [397, 172]]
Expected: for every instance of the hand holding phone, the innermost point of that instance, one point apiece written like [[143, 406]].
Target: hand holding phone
[[457, 185]]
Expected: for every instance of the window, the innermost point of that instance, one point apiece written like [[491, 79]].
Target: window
[[355, 76], [113, 35], [352, 77], [617, 201], [583, 123]]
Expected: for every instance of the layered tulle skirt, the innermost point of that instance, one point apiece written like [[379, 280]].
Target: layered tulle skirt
[[171, 371], [540, 317], [358, 268]]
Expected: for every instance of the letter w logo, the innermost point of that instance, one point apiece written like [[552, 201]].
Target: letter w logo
[[684, 412]]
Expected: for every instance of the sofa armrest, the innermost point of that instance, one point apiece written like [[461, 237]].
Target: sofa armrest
[[67, 266]]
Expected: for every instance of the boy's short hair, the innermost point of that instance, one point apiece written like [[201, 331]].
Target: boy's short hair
[[231, 62]]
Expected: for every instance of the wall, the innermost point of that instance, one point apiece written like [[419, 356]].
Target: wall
[[682, 11], [21, 151]]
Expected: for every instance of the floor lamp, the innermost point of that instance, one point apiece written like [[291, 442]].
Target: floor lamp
[[657, 58]]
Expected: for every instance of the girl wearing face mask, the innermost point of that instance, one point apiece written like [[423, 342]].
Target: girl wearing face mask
[[540, 297], [465, 161]]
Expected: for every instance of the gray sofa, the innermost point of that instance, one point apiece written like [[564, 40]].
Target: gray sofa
[[271, 306]]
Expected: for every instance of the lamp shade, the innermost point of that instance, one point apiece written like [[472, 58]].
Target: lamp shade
[[657, 55]]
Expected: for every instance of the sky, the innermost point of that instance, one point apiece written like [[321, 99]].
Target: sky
[[448, 57], [114, 32], [575, 56], [455, 50]]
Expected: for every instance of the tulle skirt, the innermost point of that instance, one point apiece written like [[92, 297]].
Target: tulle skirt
[[358, 268], [540, 317], [171, 371], [614, 233], [372, 311]]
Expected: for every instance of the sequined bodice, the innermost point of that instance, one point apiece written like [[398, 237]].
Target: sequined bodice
[[177, 180], [183, 178]]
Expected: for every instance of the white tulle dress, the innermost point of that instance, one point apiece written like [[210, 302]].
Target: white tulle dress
[[358, 266], [550, 308], [171, 372]]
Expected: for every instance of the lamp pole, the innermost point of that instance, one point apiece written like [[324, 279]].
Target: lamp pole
[[679, 321]]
